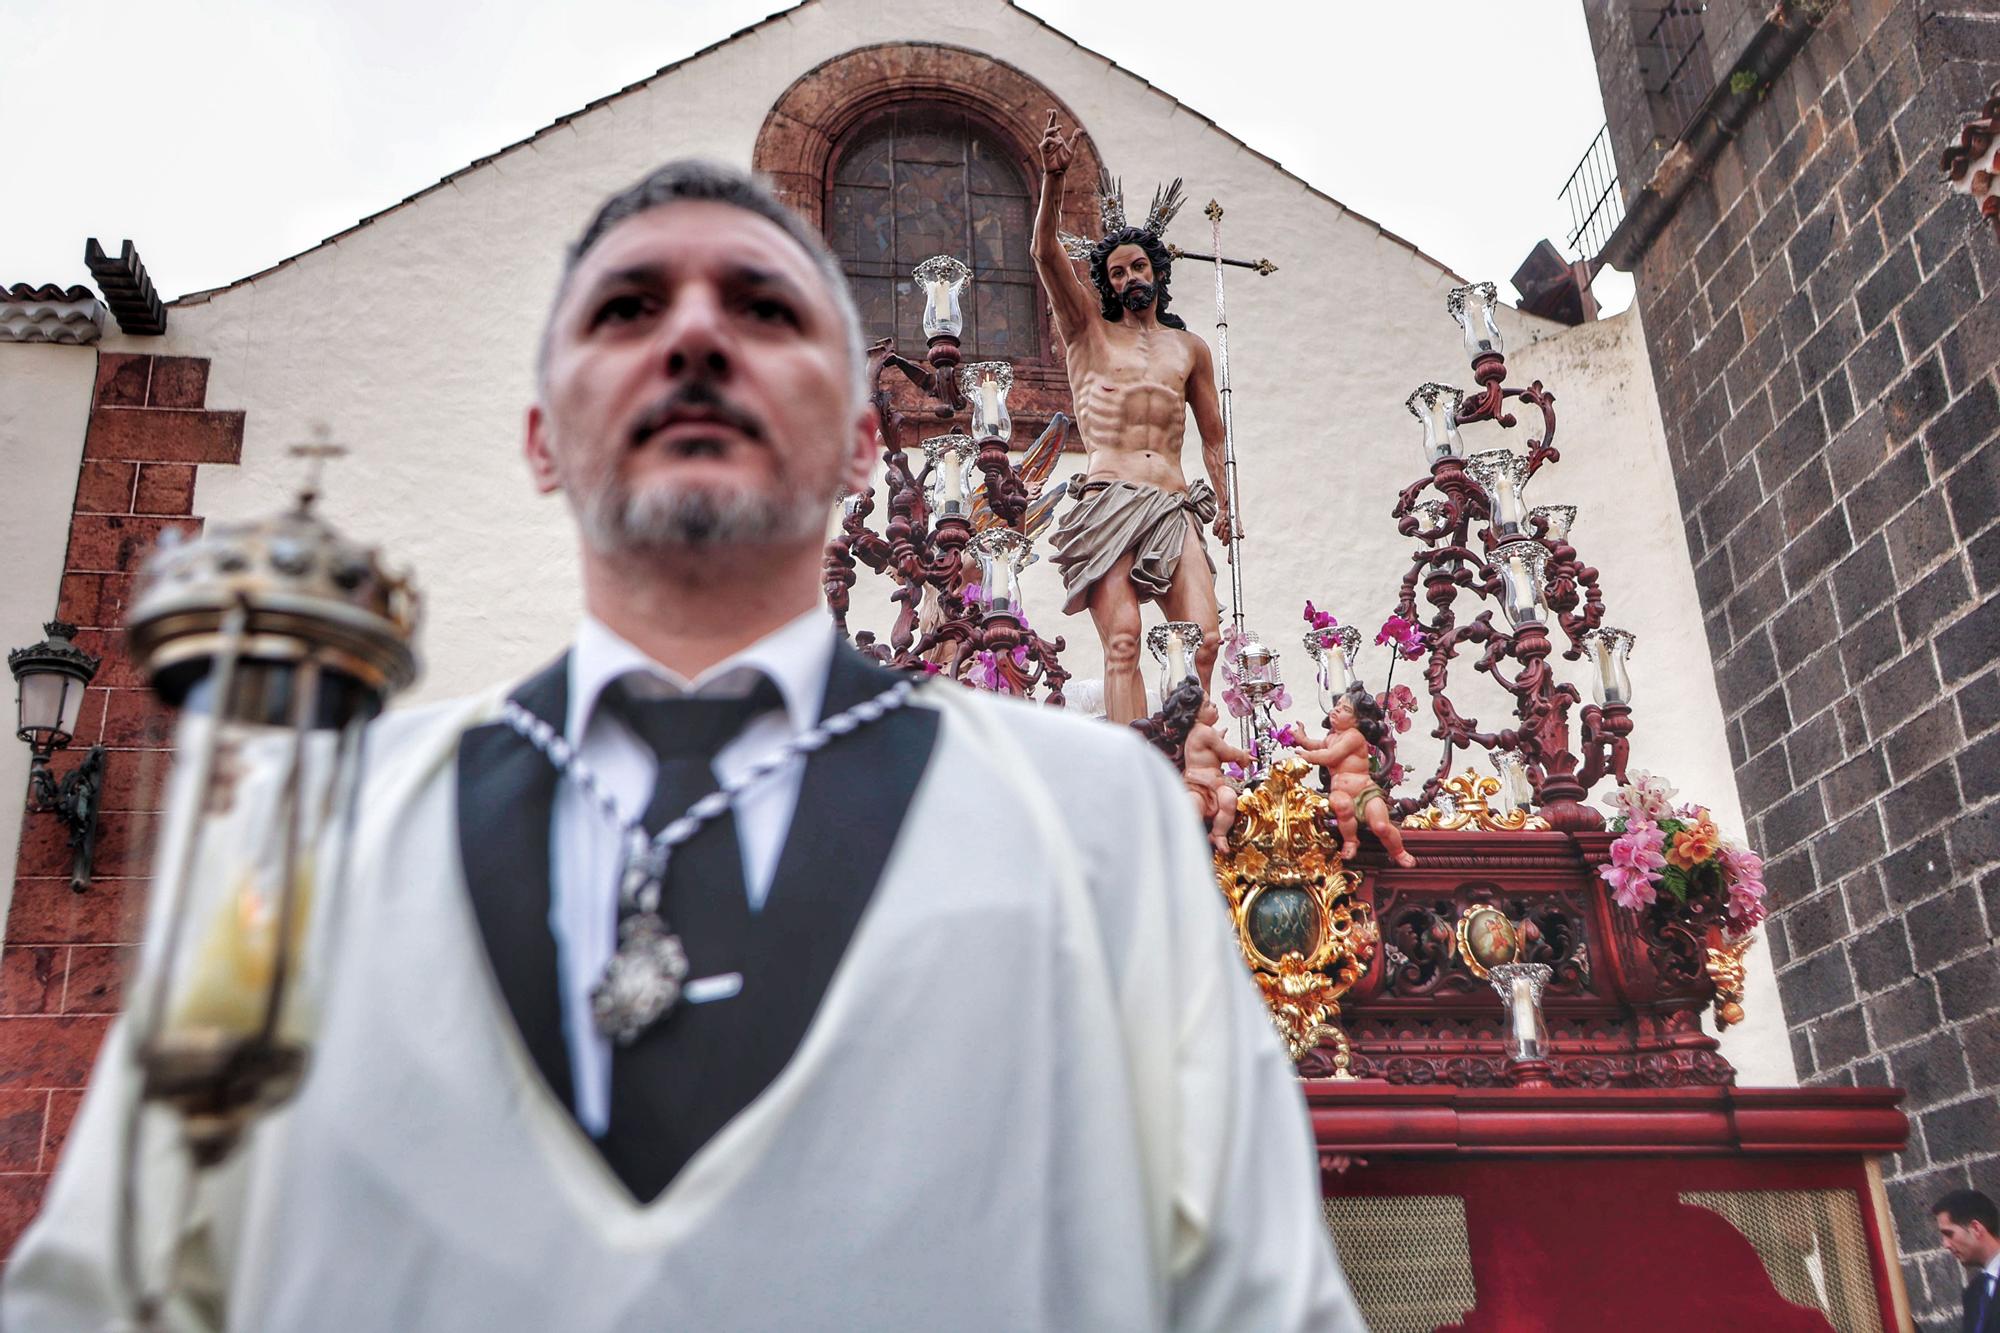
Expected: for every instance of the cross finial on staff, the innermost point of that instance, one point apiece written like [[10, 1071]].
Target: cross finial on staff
[[315, 454]]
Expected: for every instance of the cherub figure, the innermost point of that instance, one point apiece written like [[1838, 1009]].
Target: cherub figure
[[1207, 751], [1356, 734]]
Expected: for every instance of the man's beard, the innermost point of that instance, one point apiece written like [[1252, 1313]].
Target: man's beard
[[1136, 296], [673, 515]]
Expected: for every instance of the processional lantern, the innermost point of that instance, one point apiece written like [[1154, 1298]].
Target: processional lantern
[[942, 279], [278, 640]]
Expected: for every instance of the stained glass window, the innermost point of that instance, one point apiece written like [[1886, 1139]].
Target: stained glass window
[[925, 180]]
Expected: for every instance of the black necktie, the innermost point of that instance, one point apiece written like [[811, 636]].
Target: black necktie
[[1977, 1298], [703, 898], [704, 903]]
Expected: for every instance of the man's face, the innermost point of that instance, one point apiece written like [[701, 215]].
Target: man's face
[[1131, 275], [1969, 1242], [697, 389]]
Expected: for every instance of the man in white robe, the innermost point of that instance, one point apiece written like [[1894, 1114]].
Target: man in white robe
[[969, 1047]]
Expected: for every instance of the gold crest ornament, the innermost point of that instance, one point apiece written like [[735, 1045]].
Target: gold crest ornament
[[1467, 803], [1305, 935], [1725, 969]]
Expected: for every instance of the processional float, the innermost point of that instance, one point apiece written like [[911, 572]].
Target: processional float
[[1520, 1011]]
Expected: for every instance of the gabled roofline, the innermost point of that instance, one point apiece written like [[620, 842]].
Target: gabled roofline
[[202, 296]]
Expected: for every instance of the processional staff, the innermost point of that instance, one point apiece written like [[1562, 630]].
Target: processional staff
[[1263, 268]]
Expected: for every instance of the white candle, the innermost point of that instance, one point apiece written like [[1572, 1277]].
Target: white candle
[[941, 299], [1525, 1039], [952, 470], [989, 398], [1176, 655]]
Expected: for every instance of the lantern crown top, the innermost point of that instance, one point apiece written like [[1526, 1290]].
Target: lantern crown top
[[1471, 294], [1429, 395], [55, 652], [942, 268], [303, 589]]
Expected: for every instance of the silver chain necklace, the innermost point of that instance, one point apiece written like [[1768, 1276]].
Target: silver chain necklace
[[642, 981]]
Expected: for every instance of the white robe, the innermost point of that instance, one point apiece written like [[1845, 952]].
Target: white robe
[[1040, 1092]]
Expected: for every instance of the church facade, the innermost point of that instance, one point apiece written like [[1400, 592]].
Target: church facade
[[903, 130]]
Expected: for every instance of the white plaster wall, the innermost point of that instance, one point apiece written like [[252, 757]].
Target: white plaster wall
[[413, 337], [44, 407]]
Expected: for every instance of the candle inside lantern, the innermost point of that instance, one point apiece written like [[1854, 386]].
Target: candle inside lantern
[[1521, 566], [989, 397], [939, 278], [1608, 649], [1527, 1034], [228, 987]]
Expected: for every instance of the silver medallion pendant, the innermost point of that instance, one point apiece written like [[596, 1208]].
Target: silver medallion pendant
[[642, 982]]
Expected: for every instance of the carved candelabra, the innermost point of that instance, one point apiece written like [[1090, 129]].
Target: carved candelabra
[[954, 548], [1522, 559]]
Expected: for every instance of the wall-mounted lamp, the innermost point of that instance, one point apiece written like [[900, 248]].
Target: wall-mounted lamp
[[50, 679]]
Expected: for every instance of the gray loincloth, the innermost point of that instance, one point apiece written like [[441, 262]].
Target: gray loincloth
[[1112, 519]]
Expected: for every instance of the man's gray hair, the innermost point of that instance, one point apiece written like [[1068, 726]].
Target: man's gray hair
[[689, 180]]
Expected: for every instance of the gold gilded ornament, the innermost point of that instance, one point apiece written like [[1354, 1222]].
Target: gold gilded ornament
[[1306, 937], [1725, 969], [1466, 804]]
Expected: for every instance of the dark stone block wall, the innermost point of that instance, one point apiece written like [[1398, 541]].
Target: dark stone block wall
[[1823, 320]]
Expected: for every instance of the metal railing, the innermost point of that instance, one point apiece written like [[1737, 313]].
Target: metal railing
[[1595, 204]]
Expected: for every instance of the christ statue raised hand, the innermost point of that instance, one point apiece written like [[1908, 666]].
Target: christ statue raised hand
[[1134, 373]]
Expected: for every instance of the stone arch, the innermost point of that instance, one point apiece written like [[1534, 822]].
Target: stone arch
[[796, 144], [804, 128]]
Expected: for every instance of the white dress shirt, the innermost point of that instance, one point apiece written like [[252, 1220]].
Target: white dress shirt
[[586, 852]]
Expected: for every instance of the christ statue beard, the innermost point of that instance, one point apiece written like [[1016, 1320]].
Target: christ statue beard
[[1136, 296]]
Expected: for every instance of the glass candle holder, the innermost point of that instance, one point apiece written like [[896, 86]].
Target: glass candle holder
[[1560, 519], [1608, 648], [1473, 307], [1503, 475], [985, 385], [941, 279], [1333, 662], [1173, 646], [1519, 986], [949, 456], [1001, 553], [1516, 791], [1521, 565], [1436, 405]]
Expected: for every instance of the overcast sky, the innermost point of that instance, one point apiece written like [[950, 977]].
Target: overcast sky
[[223, 135]]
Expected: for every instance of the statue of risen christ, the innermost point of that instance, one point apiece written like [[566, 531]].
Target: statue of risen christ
[[1134, 372]]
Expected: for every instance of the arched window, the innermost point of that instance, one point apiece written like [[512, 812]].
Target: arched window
[[919, 180]]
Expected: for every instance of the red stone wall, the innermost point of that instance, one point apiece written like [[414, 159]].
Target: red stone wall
[[65, 953]]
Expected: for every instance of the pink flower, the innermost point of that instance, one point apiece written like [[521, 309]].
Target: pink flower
[[1318, 619], [1282, 699], [973, 594], [1744, 872], [1234, 772], [932, 669], [1397, 701], [1393, 778], [1234, 701], [1406, 637], [986, 673], [1287, 735], [1636, 860], [1629, 888]]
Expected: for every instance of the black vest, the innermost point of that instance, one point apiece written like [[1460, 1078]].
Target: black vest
[[707, 1061]]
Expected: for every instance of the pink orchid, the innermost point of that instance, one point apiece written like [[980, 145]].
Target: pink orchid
[[1288, 735], [1744, 872], [1282, 699], [1317, 619], [1636, 859], [973, 594], [932, 669], [1397, 702], [1406, 637], [1234, 701], [1234, 772], [1393, 778]]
